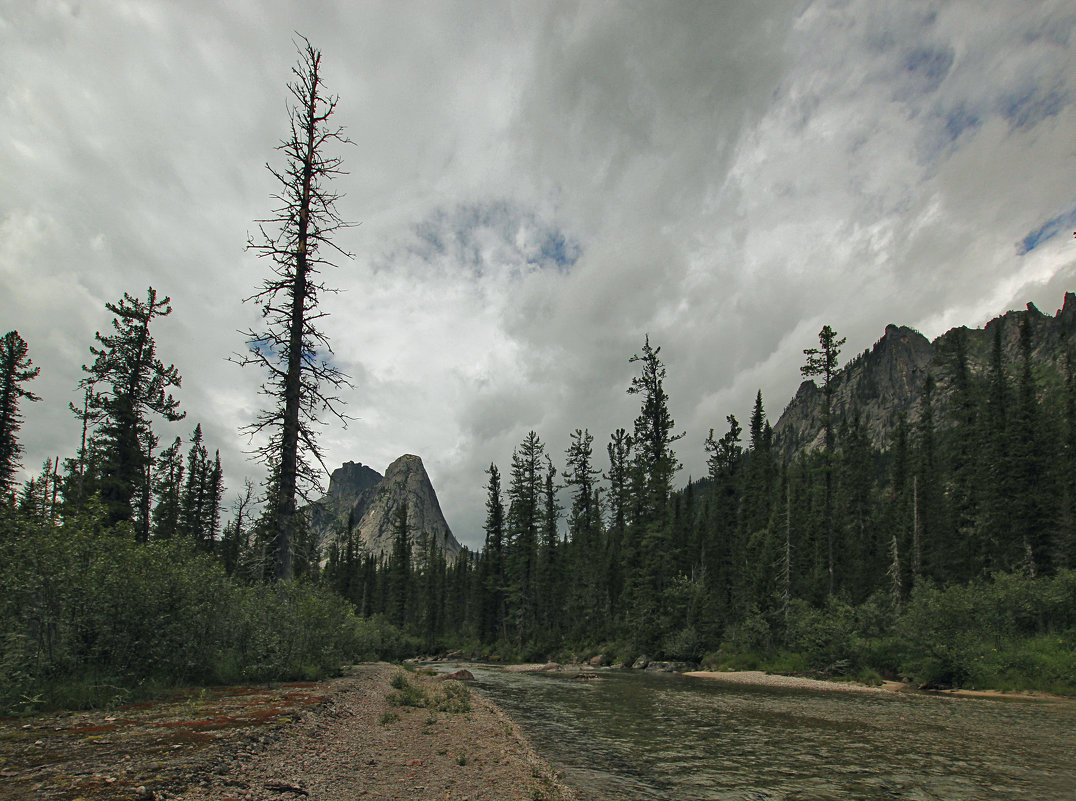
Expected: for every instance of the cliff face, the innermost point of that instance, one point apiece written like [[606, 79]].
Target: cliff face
[[886, 381], [369, 501]]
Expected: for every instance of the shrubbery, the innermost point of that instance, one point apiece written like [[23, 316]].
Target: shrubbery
[[87, 616], [1005, 632]]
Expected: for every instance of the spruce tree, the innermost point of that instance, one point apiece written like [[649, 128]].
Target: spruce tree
[[587, 595], [399, 567], [291, 348], [493, 611], [550, 555], [127, 382], [653, 466], [168, 489], [16, 368], [619, 452], [521, 532], [822, 361]]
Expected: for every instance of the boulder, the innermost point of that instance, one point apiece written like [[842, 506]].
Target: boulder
[[641, 663], [459, 675]]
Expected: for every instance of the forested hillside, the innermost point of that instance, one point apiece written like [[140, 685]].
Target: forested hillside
[[940, 546]]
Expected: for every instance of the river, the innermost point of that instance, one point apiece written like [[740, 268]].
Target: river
[[634, 735]]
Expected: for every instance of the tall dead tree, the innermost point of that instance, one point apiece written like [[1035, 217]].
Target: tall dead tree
[[293, 351]]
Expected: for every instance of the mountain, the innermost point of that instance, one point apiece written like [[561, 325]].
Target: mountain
[[369, 500], [887, 380]]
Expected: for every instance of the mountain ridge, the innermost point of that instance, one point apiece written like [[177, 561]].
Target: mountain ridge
[[886, 381]]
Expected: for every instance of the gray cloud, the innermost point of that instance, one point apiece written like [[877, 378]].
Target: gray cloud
[[539, 186]]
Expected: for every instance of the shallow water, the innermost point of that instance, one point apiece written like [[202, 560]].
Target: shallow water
[[633, 735]]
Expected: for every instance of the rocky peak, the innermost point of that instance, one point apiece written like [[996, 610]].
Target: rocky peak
[[352, 478], [406, 480], [363, 499]]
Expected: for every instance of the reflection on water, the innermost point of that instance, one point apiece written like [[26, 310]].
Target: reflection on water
[[630, 735]]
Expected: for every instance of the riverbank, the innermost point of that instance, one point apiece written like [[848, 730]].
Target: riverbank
[[758, 677], [333, 740]]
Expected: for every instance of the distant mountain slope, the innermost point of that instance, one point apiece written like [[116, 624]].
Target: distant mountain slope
[[369, 500], [887, 380]]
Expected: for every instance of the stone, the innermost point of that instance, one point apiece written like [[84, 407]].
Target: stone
[[640, 663], [459, 675]]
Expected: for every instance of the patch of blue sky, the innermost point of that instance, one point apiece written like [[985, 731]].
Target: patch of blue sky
[[958, 120], [494, 235], [947, 129], [1047, 231], [557, 249], [930, 65], [1032, 105]]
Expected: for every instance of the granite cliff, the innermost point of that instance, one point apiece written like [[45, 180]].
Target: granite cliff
[[363, 498], [887, 380]]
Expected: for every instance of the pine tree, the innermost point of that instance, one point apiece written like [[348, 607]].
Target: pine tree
[[724, 560], [399, 567], [127, 382], [550, 592], [653, 439], [493, 611], [16, 368], [168, 489], [928, 516], [194, 499], [619, 452], [823, 362], [521, 530], [1033, 528], [653, 467], [861, 554], [963, 550], [994, 476], [236, 538], [291, 348], [588, 597]]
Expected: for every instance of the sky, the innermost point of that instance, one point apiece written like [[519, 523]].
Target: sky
[[537, 187]]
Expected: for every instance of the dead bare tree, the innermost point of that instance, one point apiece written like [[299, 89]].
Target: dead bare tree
[[291, 348]]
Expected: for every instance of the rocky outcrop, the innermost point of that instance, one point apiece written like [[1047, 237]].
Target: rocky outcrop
[[363, 500], [885, 382], [878, 384], [405, 480]]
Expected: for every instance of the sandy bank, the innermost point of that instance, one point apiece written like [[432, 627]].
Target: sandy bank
[[360, 746], [757, 677], [776, 680]]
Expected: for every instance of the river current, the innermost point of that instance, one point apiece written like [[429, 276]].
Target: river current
[[634, 735]]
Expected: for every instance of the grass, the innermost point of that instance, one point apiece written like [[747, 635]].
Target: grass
[[450, 696]]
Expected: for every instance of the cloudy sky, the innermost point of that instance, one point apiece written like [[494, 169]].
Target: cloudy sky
[[539, 185]]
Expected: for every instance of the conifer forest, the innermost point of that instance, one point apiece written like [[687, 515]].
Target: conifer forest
[[939, 547]]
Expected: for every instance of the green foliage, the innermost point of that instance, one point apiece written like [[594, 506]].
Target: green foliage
[[1006, 631], [16, 368], [85, 606]]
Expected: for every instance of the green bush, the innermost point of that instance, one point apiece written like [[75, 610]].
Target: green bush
[[87, 616]]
